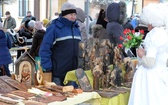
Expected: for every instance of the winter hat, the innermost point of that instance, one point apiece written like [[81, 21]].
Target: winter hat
[[31, 23], [45, 22], [1, 26], [68, 8], [38, 25], [80, 15], [101, 17]]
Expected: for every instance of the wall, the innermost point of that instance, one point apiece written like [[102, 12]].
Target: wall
[[78, 3]]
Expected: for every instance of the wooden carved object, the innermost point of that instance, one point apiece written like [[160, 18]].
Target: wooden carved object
[[8, 100], [30, 102], [77, 91], [13, 83], [53, 86], [49, 99], [83, 80], [5, 88], [25, 69], [108, 93], [62, 88], [23, 94]]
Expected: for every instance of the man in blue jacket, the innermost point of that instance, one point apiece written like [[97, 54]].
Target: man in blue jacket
[[59, 48]]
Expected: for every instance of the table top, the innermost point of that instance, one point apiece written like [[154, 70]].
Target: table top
[[85, 96], [77, 99], [21, 48]]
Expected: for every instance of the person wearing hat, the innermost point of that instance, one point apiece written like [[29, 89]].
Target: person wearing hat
[[28, 17], [9, 22], [45, 23], [99, 29], [26, 31], [81, 19], [59, 48]]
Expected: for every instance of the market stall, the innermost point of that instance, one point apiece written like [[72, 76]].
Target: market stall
[[96, 78], [119, 99], [13, 92]]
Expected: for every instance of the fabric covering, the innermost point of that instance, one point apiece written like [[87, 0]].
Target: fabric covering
[[121, 99]]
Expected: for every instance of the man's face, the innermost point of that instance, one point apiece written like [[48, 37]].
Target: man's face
[[71, 17], [7, 16], [28, 14]]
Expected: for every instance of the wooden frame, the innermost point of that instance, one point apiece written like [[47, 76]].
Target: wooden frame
[[25, 69]]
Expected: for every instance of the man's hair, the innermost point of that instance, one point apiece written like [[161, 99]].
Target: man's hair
[[7, 13], [28, 11]]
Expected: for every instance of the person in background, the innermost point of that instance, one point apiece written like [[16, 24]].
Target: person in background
[[26, 31], [1, 20], [59, 48], [9, 22], [116, 15], [99, 30], [80, 19], [37, 39], [45, 23], [127, 24], [5, 56], [150, 82], [56, 15], [93, 22], [28, 17], [134, 21]]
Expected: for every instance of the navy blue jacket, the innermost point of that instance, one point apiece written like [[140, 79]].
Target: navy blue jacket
[[59, 48], [115, 18], [5, 45]]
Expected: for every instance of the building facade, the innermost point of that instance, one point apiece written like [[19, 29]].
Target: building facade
[[42, 9]]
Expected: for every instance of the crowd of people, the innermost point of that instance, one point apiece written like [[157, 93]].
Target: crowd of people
[[57, 44]]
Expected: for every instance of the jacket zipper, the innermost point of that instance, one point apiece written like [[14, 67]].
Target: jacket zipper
[[72, 29]]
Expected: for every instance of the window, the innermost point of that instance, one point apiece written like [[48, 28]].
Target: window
[[1, 8], [23, 7]]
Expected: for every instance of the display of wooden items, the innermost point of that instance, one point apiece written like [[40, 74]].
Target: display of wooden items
[[99, 55], [113, 78], [96, 57], [25, 69], [129, 72]]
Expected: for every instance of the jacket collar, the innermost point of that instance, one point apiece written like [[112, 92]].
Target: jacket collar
[[61, 21]]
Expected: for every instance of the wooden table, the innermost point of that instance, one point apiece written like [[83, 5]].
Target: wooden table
[[20, 48], [121, 99], [80, 98]]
